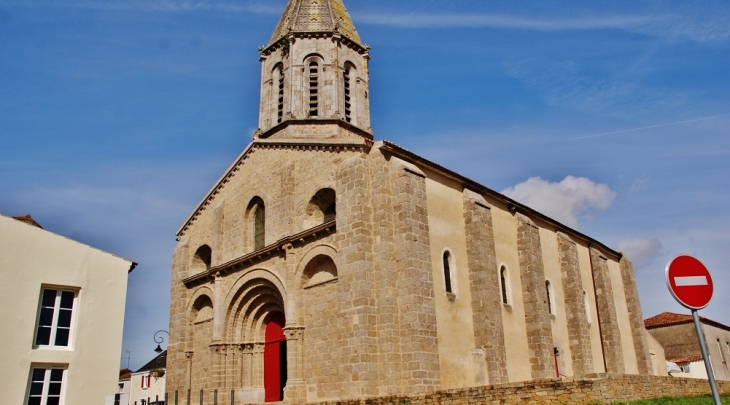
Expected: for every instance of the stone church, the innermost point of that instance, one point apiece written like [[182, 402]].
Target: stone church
[[328, 265]]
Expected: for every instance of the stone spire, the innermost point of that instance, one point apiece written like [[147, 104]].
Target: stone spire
[[314, 77], [305, 16]]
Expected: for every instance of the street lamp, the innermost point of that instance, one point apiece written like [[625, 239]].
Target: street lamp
[[160, 340]]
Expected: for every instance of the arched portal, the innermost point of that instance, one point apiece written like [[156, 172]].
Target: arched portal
[[275, 359]]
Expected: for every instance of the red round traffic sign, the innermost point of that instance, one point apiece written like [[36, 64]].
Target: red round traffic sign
[[689, 282]]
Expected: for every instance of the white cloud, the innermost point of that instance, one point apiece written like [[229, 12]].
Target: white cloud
[[572, 199], [473, 20], [639, 250], [671, 26]]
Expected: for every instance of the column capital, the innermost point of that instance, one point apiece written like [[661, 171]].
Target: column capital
[[294, 332]]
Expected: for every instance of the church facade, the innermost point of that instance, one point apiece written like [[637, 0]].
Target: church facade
[[326, 265]]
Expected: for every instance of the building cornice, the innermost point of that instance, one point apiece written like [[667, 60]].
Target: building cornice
[[265, 52], [315, 121], [276, 248]]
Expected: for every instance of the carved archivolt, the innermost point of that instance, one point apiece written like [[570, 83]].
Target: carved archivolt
[[255, 297]]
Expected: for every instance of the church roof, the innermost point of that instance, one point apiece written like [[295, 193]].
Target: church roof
[[315, 16], [160, 361], [670, 319], [353, 144]]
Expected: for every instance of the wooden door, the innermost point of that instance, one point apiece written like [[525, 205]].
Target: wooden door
[[275, 359]]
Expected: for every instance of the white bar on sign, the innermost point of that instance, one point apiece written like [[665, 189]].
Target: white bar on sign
[[690, 281]]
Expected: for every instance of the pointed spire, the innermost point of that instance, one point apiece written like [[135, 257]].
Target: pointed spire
[[315, 16]]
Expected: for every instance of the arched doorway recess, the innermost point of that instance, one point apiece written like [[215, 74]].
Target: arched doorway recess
[[275, 358]]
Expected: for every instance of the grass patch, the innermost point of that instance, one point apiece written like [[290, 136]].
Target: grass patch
[[698, 400]]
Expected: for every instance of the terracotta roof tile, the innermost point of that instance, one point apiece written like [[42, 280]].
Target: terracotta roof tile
[[686, 359], [28, 220], [125, 374], [670, 319]]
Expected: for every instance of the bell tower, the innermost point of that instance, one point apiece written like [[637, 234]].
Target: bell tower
[[314, 75]]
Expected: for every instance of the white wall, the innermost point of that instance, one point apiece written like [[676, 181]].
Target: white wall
[[30, 258], [155, 390]]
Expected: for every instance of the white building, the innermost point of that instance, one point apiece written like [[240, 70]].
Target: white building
[[63, 314], [147, 385], [677, 334]]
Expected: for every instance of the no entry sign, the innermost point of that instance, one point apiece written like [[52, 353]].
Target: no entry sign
[[689, 282]]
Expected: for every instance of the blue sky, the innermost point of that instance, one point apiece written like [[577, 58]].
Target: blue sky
[[117, 116]]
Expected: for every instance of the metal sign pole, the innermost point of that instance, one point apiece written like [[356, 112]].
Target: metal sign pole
[[708, 365]]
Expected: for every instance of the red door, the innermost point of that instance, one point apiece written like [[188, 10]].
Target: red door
[[275, 359]]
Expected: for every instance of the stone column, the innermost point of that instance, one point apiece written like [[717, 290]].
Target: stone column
[[258, 366], [188, 370], [636, 317], [575, 307], [217, 310], [247, 366], [240, 380], [534, 297], [295, 391], [607, 319], [218, 352], [483, 281]]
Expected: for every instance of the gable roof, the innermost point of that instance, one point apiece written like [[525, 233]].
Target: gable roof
[[160, 361], [671, 319], [311, 16]]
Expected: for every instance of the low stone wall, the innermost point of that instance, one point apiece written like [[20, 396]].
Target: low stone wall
[[595, 388]]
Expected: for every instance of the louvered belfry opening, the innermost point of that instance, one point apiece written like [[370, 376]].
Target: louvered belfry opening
[[348, 101], [280, 105], [313, 89]]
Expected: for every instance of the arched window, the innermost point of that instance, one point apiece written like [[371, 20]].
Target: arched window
[[330, 212], [348, 95], [321, 269], [548, 289], [503, 284], [447, 272], [322, 208], [313, 89], [202, 309], [279, 79], [259, 226], [202, 259]]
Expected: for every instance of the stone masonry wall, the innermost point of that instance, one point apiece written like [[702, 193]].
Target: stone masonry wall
[[575, 308], [485, 293], [610, 333], [416, 302], [386, 296], [356, 299], [636, 317], [596, 388], [534, 297]]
